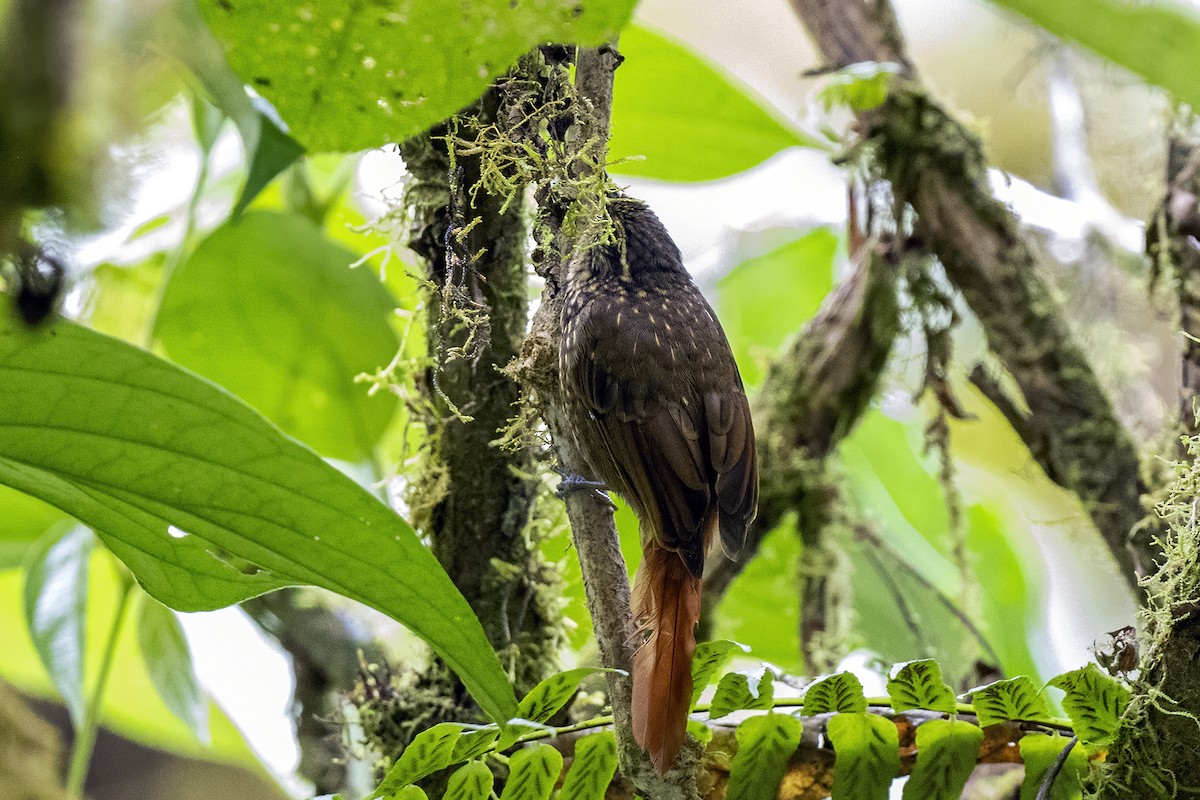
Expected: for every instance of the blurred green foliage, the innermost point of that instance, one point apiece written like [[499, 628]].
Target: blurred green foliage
[[676, 117], [270, 309], [1157, 41], [131, 705], [267, 305]]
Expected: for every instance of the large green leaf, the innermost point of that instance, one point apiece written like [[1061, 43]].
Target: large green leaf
[[1015, 699], [472, 743], [896, 486], [688, 119], [841, 693], [347, 75], [56, 590], [473, 781], [1158, 41], [429, 751], [533, 771], [24, 521], [270, 309], [918, 684], [545, 699], [592, 770], [762, 605], [741, 690], [708, 658], [207, 502]]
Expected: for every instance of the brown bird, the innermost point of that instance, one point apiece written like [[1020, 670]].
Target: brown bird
[[659, 413]]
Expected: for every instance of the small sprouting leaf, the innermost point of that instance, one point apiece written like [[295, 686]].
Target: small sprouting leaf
[[533, 771], [1039, 752], [742, 690], [842, 693], [867, 749], [56, 611], [1133, 35], [1012, 699], [593, 768], [1095, 703], [947, 751], [274, 152], [473, 781], [169, 664], [428, 752], [918, 684], [474, 742], [545, 699], [710, 657], [765, 743], [861, 86], [150, 226]]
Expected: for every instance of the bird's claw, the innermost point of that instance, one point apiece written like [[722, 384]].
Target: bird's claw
[[577, 483]]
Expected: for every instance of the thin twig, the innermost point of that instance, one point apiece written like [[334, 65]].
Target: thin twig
[[876, 540], [1043, 792], [906, 611]]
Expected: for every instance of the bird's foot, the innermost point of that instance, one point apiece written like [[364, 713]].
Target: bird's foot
[[577, 483]]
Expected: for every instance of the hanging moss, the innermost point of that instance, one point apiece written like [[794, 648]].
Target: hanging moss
[[1159, 736]]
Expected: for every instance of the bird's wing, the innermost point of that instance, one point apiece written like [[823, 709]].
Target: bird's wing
[[683, 453], [733, 461]]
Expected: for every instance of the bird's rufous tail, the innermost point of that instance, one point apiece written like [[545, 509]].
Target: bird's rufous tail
[[666, 605]]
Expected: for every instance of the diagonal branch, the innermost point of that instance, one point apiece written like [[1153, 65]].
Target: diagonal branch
[[938, 169]]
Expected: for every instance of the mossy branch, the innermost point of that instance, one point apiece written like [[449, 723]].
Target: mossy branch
[[811, 767], [1155, 751], [1172, 235], [938, 169], [473, 498], [605, 575]]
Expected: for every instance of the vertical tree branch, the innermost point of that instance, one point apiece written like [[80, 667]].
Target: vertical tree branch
[[37, 70], [325, 660], [1155, 751], [605, 574], [1173, 245], [473, 497]]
